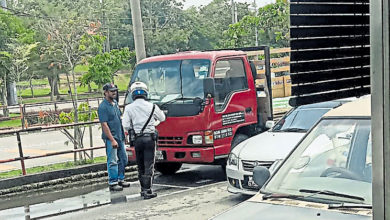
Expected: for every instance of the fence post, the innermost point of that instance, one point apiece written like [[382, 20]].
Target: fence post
[[55, 106], [90, 132], [90, 128], [22, 115], [27, 212], [21, 153]]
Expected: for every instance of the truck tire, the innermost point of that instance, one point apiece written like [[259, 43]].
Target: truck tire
[[167, 168], [238, 139]]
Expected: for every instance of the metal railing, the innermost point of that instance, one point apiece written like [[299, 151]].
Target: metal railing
[[22, 157]]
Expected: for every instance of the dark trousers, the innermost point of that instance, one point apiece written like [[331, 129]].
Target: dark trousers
[[145, 149]]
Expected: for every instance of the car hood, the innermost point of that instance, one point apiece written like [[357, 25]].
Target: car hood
[[268, 146], [258, 210]]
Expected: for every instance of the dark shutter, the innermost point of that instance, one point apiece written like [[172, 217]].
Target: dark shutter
[[330, 50]]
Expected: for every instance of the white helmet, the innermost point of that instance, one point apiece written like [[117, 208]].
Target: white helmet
[[138, 89]]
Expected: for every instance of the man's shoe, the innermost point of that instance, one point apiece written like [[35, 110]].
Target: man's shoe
[[149, 194], [124, 184], [116, 187]]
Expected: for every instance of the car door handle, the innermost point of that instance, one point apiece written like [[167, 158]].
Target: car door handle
[[249, 109]]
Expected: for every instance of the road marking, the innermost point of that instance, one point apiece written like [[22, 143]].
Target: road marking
[[173, 186], [190, 189], [204, 181]]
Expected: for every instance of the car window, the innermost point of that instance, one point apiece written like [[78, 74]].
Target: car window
[[300, 118], [335, 156]]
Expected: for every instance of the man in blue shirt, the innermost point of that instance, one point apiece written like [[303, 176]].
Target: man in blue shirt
[[113, 136]]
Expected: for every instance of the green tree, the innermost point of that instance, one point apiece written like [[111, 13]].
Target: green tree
[[272, 23], [18, 60], [13, 31], [103, 67]]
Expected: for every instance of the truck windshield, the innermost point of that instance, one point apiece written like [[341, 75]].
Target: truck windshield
[[172, 80]]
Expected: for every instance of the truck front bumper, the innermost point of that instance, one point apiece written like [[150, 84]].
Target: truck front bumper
[[181, 155]]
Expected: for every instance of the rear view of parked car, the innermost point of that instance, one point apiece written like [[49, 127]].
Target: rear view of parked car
[[265, 148], [328, 175]]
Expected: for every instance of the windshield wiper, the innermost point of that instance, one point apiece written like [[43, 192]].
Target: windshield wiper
[[294, 130], [152, 99], [178, 99], [330, 193], [280, 196], [349, 206]]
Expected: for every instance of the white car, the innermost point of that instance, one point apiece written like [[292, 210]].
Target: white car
[[265, 148], [327, 176]]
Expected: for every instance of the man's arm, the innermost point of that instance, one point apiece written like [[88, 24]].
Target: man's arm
[[107, 132], [126, 120], [158, 114]]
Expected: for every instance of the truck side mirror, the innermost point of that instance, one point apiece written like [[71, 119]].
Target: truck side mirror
[[209, 87], [261, 175], [269, 124]]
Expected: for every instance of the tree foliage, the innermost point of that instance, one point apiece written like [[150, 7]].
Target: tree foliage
[[272, 23], [103, 67]]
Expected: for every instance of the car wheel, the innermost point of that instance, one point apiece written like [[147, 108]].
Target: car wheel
[[167, 168]]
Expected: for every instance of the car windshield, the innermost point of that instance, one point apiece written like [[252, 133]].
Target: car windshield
[[299, 119], [332, 163], [172, 80]]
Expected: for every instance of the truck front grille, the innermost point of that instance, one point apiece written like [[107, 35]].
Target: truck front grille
[[248, 165], [163, 141]]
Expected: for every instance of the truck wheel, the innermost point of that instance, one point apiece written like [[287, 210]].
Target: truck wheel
[[167, 168], [238, 139]]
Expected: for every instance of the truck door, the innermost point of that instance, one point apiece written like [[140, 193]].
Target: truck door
[[234, 101]]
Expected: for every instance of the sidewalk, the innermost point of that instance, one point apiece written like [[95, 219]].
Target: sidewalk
[[15, 191]]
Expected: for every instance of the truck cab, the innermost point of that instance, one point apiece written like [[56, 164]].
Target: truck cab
[[211, 103]]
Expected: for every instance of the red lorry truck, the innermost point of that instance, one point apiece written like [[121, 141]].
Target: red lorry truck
[[211, 101]]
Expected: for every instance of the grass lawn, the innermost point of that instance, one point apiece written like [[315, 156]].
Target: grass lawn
[[37, 92], [122, 81], [53, 167], [42, 91], [11, 123]]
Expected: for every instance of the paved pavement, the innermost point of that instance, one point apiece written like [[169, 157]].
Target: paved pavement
[[195, 192]]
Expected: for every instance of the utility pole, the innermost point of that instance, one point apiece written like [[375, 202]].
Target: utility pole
[[256, 31], [138, 30], [235, 13], [107, 47], [233, 17]]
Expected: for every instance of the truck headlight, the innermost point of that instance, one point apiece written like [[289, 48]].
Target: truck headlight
[[197, 139], [233, 159]]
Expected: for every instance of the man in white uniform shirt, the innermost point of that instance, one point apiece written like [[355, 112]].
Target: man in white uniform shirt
[[143, 116]]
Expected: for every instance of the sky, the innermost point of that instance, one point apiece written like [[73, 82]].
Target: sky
[[197, 3]]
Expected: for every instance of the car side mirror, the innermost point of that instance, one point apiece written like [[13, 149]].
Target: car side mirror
[[269, 124], [261, 175], [209, 87]]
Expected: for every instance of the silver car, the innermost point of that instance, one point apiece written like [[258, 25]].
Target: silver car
[[327, 176], [275, 144]]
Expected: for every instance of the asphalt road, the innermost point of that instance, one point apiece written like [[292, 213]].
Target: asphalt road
[[195, 192]]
